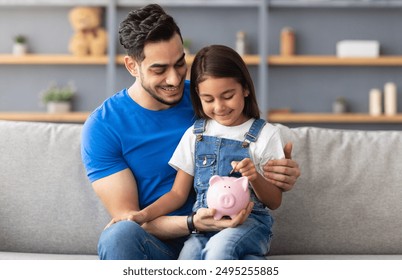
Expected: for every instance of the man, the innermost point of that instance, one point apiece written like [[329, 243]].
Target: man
[[128, 141]]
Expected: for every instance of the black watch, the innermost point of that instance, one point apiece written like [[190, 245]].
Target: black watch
[[190, 224]]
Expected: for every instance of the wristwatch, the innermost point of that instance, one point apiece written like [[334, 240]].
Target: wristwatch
[[190, 224]]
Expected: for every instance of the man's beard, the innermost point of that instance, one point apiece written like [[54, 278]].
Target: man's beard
[[159, 98]]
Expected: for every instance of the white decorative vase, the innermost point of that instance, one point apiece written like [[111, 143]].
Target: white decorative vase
[[390, 99], [19, 49], [241, 42], [58, 107], [375, 102]]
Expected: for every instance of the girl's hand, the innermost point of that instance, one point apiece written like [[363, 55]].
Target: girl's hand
[[204, 219], [135, 216], [138, 216], [246, 167]]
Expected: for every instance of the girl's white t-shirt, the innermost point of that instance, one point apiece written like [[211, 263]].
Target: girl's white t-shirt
[[268, 146]]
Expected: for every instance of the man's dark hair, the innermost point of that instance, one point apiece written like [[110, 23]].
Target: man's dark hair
[[147, 24]]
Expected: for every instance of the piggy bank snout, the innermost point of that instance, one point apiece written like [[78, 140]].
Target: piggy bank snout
[[227, 200], [227, 195]]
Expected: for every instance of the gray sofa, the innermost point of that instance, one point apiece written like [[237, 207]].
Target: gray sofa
[[48, 209], [347, 203]]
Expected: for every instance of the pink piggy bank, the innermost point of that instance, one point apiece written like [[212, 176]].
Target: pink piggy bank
[[228, 195]]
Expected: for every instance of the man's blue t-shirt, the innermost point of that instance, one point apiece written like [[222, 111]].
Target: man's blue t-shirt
[[121, 134]]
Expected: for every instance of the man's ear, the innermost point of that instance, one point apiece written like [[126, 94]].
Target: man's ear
[[131, 65]]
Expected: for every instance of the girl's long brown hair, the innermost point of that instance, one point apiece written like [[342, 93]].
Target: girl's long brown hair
[[219, 61]]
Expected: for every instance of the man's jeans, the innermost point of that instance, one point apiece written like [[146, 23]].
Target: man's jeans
[[126, 240]]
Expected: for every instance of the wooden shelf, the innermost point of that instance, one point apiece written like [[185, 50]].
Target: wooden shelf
[[275, 60], [80, 117], [332, 118], [73, 117], [193, 3], [248, 59], [334, 4], [46, 59], [65, 3], [305, 60]]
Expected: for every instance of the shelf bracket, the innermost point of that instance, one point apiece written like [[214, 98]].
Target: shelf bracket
[[262, 95], [111, 66]]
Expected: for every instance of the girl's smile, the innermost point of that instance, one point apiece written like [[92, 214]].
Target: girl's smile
[[222, 99]]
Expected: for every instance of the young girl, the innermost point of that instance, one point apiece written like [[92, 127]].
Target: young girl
[[228, 136]]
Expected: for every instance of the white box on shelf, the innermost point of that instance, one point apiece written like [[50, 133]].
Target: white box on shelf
[[357, 48]]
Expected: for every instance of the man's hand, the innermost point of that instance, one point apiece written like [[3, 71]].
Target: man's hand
[[283, 173], [135, 216], [204, 219]]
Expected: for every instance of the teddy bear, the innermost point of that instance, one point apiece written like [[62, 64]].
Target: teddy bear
[[89, 37]]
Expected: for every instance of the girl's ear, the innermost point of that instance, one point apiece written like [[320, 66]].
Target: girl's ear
[[131, 65], [246, 92]]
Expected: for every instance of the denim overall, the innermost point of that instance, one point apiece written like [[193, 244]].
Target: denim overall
[[213, 156]]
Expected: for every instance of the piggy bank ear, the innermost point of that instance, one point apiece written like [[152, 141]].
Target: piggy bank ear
[[243, 182], [215, 179]]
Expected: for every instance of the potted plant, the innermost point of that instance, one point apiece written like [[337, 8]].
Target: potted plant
[[20, 45], [339, 105], [58, 99]]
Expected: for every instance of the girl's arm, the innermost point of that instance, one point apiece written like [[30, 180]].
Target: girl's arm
[[170, 201], [266, 192], [168, 227]]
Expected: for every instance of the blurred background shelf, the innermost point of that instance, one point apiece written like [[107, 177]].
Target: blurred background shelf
[[335, 3], [80, 117], [72, 117], [274, 60], [63, 3], [56, 59], [248, 59], [309, 60], [309, 81], [332, 118]]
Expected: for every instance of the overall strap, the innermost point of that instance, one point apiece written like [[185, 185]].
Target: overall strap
[[199, 128], [254, 132]]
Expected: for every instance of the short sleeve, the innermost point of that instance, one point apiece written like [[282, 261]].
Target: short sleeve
[[183, 156], [271, 146], [100, 150]]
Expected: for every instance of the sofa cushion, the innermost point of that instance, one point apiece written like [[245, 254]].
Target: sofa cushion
[[348, 199], [335, 257], [47, 205], [35, 256]]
